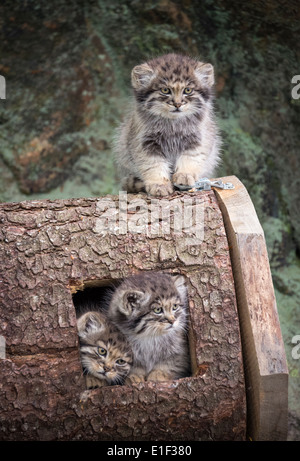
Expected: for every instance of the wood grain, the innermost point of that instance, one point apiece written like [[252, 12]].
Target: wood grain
[[263, 348]]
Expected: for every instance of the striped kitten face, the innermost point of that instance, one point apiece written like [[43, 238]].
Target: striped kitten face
[[162, 316], [150, 305], [105, 352], [173, 86]]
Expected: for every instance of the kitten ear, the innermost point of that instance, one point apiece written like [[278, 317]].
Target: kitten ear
[[89, 323], [131, 300], [179, 282], [205, 73], [141, 76]]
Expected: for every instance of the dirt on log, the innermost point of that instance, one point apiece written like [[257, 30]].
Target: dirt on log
[[51, 250]]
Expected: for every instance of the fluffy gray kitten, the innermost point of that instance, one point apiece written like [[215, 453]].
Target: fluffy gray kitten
[[170, 135], [151, 310], [106, 355]]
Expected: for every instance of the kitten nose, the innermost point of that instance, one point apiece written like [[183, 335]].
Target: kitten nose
[[171, 320], [106, 368], [177, 104]]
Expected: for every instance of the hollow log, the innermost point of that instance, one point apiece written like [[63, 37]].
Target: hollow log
[[51, 250]]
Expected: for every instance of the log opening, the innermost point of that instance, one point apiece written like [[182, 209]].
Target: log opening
[[96, 294]]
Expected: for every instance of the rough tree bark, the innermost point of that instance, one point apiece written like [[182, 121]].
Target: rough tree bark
[[51, 249]]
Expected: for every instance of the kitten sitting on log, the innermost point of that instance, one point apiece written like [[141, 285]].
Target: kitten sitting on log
[[170, 135]]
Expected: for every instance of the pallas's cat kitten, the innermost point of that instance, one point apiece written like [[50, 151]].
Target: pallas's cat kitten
[[151, 310], [106, 355], [170, 135]]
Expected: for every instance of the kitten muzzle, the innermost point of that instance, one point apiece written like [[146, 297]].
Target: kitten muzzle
[[104, 375], [170, 319]]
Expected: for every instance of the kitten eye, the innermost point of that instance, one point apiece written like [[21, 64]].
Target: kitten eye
[[175, 307], [101, 351], [120, 362], [157, 310], [165, 90], [188, 90]]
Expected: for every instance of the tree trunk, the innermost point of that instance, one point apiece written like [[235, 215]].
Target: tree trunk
[[52, 249]]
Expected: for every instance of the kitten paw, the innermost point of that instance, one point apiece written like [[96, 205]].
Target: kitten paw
[[158, 375], [184, 179], [134, 379], [92, 383], [159, 190]]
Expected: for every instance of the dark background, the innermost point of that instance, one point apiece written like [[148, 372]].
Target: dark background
[[67, 69]]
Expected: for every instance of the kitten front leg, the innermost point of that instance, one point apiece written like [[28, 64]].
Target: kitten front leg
[[159, 188], [155, 173], [159, 374], [189, 168], [137, 375]]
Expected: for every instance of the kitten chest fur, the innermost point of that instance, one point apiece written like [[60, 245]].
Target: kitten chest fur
[[169, 138], [150, 351]]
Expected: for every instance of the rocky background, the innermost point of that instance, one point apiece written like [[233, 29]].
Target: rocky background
[[67, 70]]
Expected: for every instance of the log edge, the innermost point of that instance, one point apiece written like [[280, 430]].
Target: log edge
[[266, 371]]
